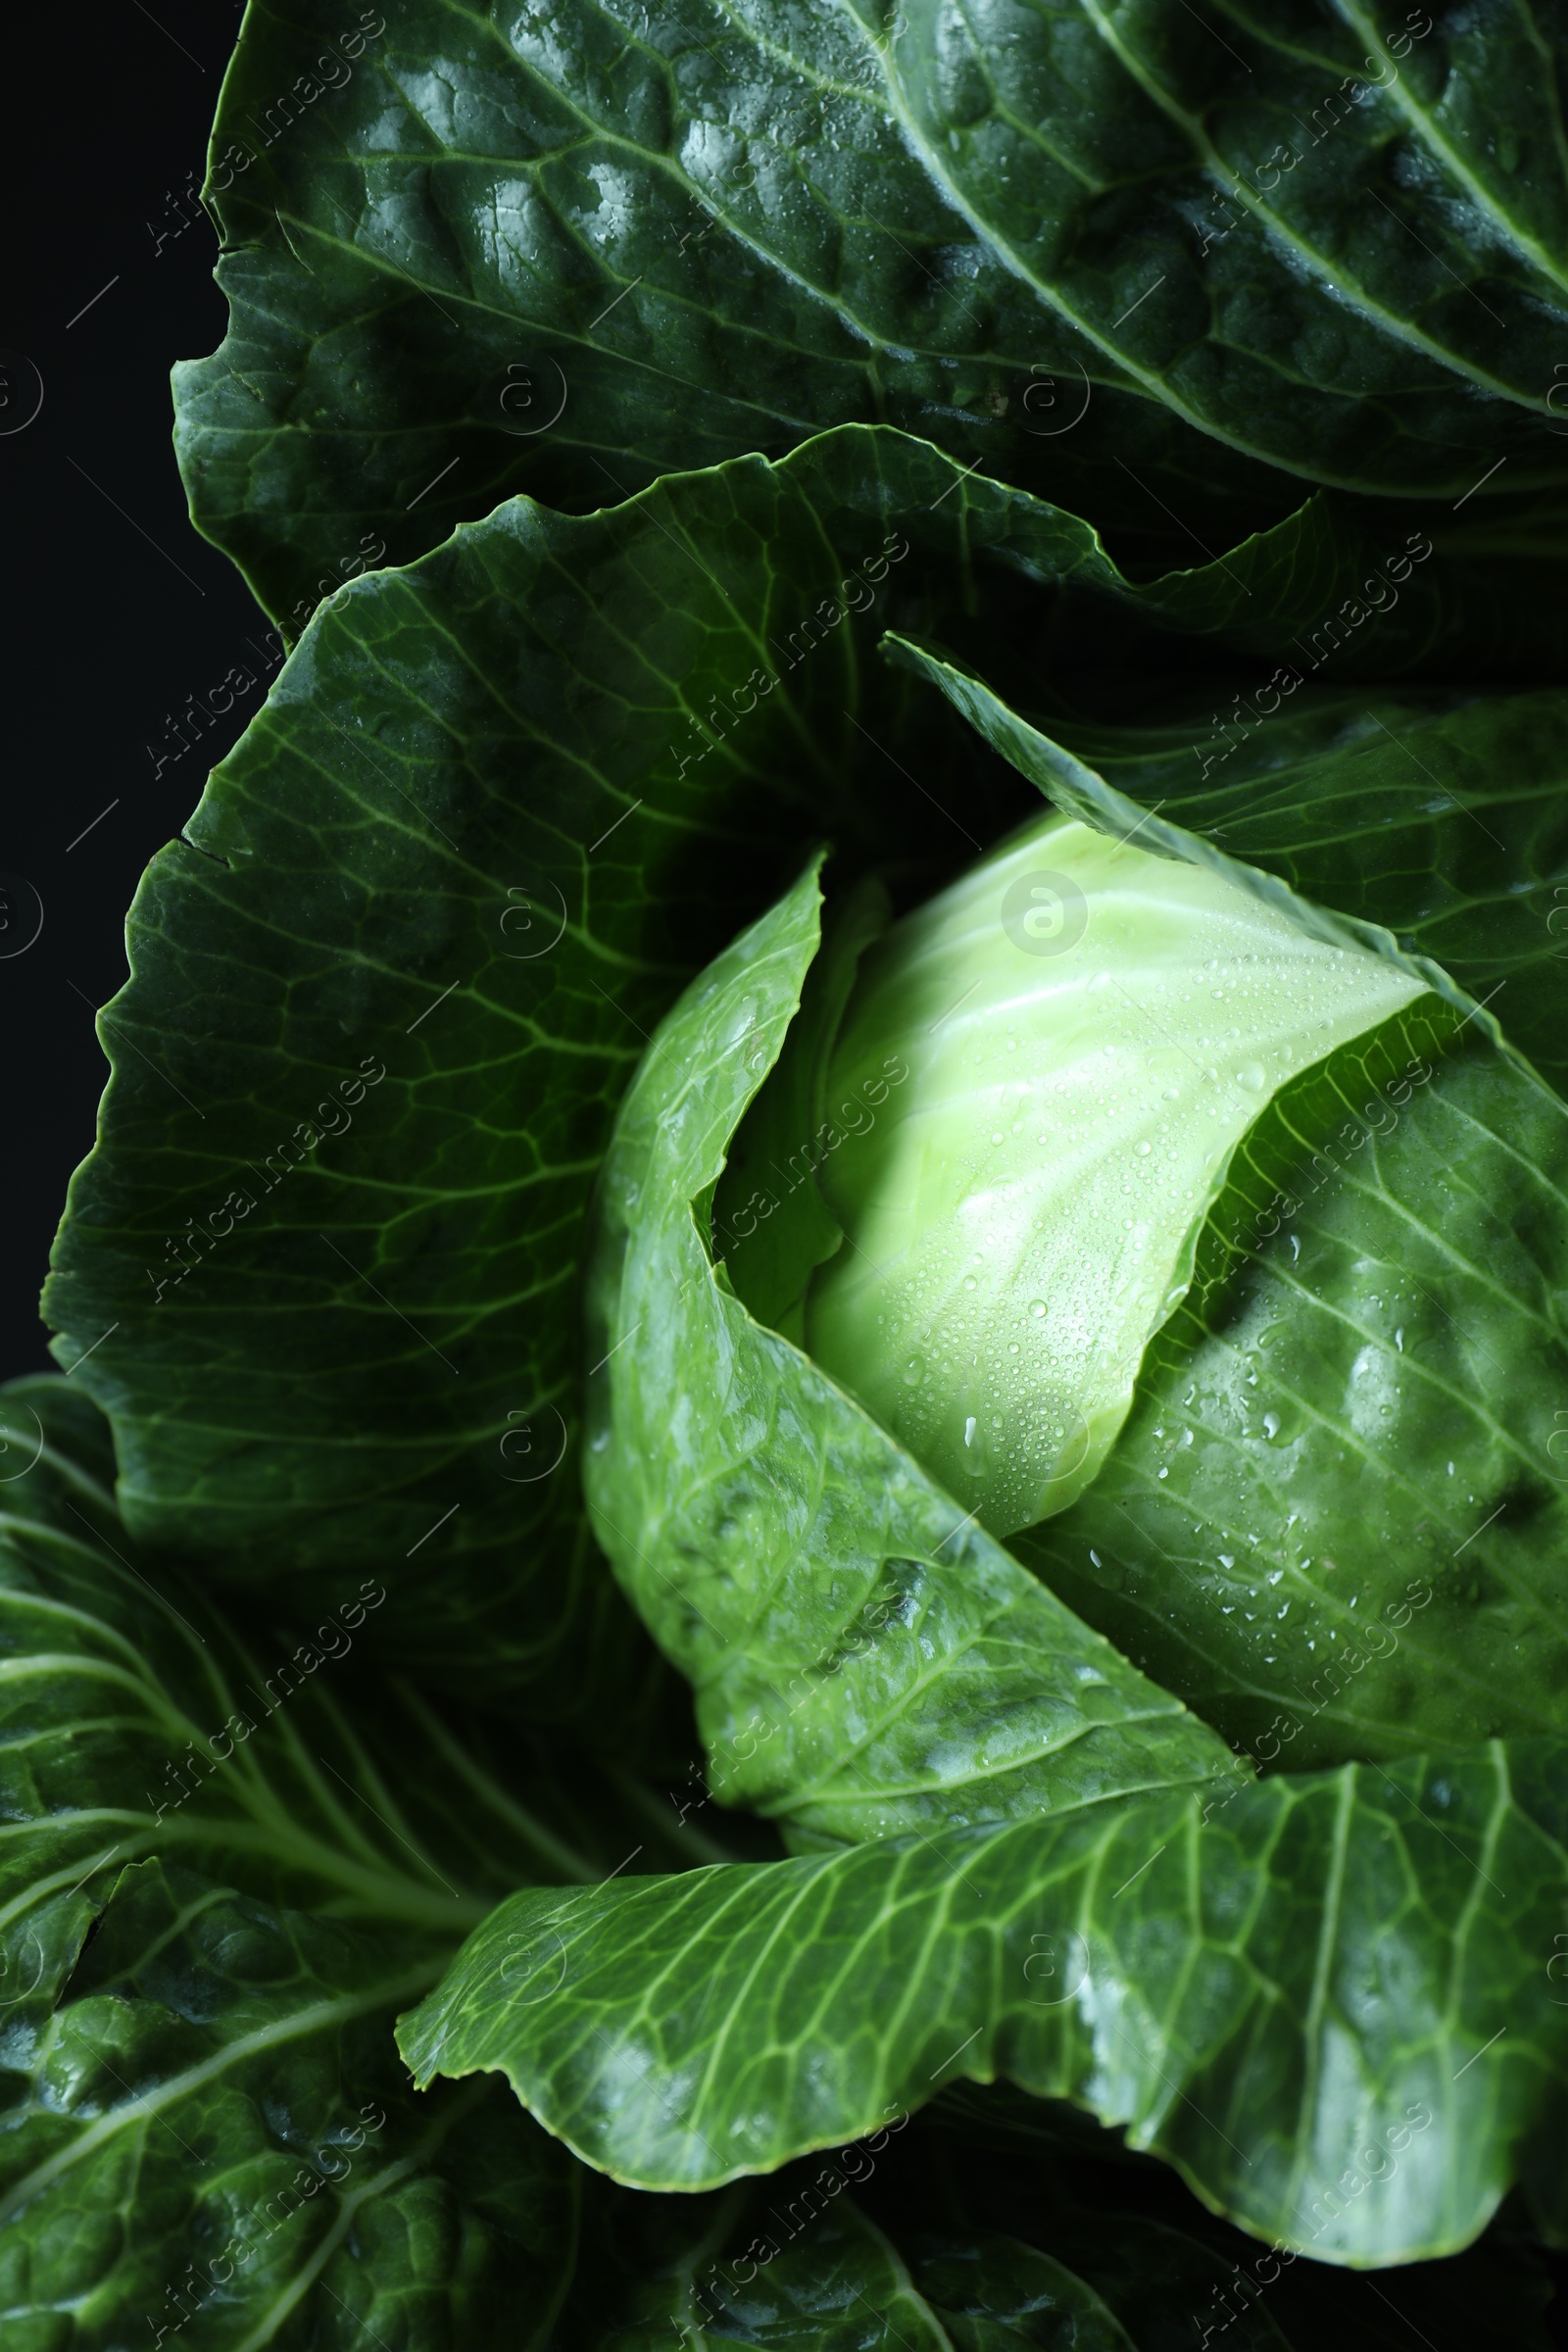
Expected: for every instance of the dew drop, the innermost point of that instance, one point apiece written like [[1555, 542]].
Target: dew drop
[[914, 1372], [1251, 1075], [969, 1431], [1037, 1307]]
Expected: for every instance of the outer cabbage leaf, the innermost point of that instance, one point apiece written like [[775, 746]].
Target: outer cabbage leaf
[[795, 2266], [1120, 255], [1328, 2004], [208, 2129], [203, 2126], [994, 2232], [134, 1721], [982, 2167], [1334, 1519]]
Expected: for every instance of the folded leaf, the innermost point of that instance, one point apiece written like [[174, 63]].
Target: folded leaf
[[866, 1659], [1087, 1030], [1440, 823]]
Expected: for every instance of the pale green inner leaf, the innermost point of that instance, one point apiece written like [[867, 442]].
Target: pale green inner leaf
[[1088, 1030]]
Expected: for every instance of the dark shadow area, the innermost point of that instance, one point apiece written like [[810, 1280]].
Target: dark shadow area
[[121, 627]]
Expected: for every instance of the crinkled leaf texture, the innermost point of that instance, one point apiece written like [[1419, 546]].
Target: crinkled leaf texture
[[1116, 255], [387, 989], [209, 2126], [225, 1865]]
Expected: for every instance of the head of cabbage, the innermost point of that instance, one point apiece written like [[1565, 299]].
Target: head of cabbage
[[1116, 1226], [995, 1133]]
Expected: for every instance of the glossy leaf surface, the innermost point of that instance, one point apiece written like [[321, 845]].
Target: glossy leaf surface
[[1122, 257], [1327, 2004], [225, 1865]]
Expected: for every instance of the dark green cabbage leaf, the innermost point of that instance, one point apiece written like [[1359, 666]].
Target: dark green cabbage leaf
[[1158, 268], [229, 1857]]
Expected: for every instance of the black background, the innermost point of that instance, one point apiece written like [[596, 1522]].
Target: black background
[[115, 610]]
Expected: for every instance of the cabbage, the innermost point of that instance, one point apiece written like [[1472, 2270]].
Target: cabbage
[[1089, 1030]]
